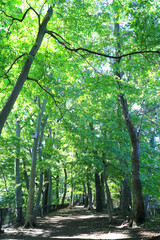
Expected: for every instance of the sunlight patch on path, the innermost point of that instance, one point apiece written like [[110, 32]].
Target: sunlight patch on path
[[109, 236]]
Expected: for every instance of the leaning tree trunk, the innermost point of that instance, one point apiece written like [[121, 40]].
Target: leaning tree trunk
[[25, 70], [30, 216], [125, 193], [138, 214], [18, 189], [138, 204]]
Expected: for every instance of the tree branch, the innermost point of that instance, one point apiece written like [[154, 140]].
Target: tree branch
[[52, 95], [150, 109], [145, 112], [11, 68], [158, 125], [23, 54], [17, 19], [52, 34], [24, 15], [39, 22], [120, 3]]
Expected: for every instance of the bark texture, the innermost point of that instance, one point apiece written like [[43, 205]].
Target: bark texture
[[65, 186], [57, 188], [138, 204], [89, 194], [25, 175], [109, 199], [99, 205], [30, 216], [125, 201], [18, 190], [102, 191], [40, 159], [85, 196]]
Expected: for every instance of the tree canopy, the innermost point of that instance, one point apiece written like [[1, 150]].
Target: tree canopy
[[82, 57]]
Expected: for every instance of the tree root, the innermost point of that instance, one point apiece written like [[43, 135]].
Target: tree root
[[30, 222]]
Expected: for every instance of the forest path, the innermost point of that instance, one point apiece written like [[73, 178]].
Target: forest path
[[78, 223]]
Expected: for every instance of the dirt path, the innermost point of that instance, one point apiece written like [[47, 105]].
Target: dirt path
[[78, 223]]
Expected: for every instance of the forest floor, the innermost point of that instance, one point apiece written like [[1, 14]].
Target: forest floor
[[79, 223]]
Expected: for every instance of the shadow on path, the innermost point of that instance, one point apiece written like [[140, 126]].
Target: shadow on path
[[77, 223]]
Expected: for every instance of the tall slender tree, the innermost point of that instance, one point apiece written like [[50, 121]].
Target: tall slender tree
[[18, 191], [30, 215], [26, 68], [138, 203]]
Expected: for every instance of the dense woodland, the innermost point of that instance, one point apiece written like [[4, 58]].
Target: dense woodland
[[80, 112]]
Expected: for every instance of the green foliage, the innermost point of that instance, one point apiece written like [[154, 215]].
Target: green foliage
[[83, 91], [154, 222]]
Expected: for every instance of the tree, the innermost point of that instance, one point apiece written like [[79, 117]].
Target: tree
[[25, 70], [138, 204], [18, 192], [65, 186], [30, 216]]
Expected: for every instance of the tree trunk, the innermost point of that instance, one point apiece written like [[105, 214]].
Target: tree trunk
[[125, 201], [38, 207], [99, 205], [152, 146], [49, 197], [25, 175], [40, 158], [25, 70], [109, 199], [65, 186], [85, 196], [125, 197], [72, 196], [102, 190], [39, 190], [89, 194], [138, 204], [45, 192], [18, 190], [30, 217], [57, 188]]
